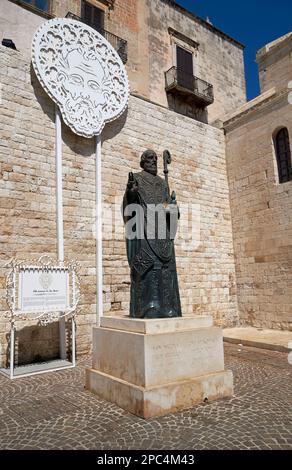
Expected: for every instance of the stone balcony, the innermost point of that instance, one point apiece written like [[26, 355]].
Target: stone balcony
[[119, 44], [194, 89]]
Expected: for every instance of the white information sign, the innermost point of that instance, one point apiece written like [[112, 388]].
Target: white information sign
[[43, 290]]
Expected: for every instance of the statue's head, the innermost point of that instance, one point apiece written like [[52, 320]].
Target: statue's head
[[149, 162]]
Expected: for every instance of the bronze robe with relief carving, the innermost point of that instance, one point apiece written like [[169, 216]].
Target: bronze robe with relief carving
[[154, 284]]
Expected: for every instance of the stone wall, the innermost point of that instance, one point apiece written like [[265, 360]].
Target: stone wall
[[18, 24], [261, 211], [60, 8], [275, 63], [27, 190], [218, 60], [151, 50]]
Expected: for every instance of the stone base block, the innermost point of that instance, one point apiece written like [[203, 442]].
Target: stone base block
[[154, 367], [163, 399]]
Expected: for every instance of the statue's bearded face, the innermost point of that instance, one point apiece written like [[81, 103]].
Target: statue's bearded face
[[82, 87], [150, 163]]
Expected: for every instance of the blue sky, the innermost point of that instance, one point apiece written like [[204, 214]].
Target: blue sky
[[252, 22]]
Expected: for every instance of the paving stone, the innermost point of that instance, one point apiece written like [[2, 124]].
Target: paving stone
[[54, 411]]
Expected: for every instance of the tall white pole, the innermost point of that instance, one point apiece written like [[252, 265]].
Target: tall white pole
[[59, 186], [60, 222], [98, 230], [12, 347]]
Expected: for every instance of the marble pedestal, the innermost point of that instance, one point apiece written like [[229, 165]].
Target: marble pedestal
[[154, 367]]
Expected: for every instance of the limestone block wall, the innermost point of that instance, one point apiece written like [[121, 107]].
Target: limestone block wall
[[145, 24], [151, 50], [261, 211], [275, 63], [18, 24], [27, 201], [218, 60]]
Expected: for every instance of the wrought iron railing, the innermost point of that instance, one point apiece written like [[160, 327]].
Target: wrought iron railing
[[119, 44], [175, 77]]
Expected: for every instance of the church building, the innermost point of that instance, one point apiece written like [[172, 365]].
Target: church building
[[231, 166]]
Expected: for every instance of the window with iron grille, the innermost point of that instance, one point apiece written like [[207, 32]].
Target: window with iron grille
[[283, 155], [92, 15]]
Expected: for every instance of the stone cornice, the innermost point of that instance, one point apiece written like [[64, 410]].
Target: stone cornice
[[109, 3], [183, 38], [285, 42], [204, 23], [262, 103]]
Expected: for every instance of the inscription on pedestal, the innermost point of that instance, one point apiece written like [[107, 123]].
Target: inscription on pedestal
[[155, 359], [151, 374], [184, 357]]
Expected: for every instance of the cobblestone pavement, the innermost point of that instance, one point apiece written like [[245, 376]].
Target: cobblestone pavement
[[53, 411]]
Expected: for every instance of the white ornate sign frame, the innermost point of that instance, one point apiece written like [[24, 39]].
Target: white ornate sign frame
[[46, 266]]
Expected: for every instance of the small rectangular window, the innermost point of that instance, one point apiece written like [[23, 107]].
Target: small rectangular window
[[283, 155], [40, 4], [185, 70], [92, 15]]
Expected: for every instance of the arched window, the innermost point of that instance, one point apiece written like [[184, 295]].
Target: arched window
[[283, 155]]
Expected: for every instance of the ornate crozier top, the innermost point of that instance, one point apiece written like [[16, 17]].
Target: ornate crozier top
[[82, 73]]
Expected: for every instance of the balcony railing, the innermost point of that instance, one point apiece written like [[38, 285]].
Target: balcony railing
[[119, 44], [178, 81]]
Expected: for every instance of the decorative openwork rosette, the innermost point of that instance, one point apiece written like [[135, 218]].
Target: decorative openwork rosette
[[82, 73]]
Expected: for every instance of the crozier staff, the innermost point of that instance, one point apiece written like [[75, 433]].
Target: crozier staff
[[150, 248]]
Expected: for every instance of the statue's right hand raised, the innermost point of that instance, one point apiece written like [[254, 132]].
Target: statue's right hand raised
[[132, 183]]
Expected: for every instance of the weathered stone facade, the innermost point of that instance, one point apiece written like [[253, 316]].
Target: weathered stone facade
[[275, 63], [238, 266], [148, 27], [217, 59], [28, 205], [260, 206]]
